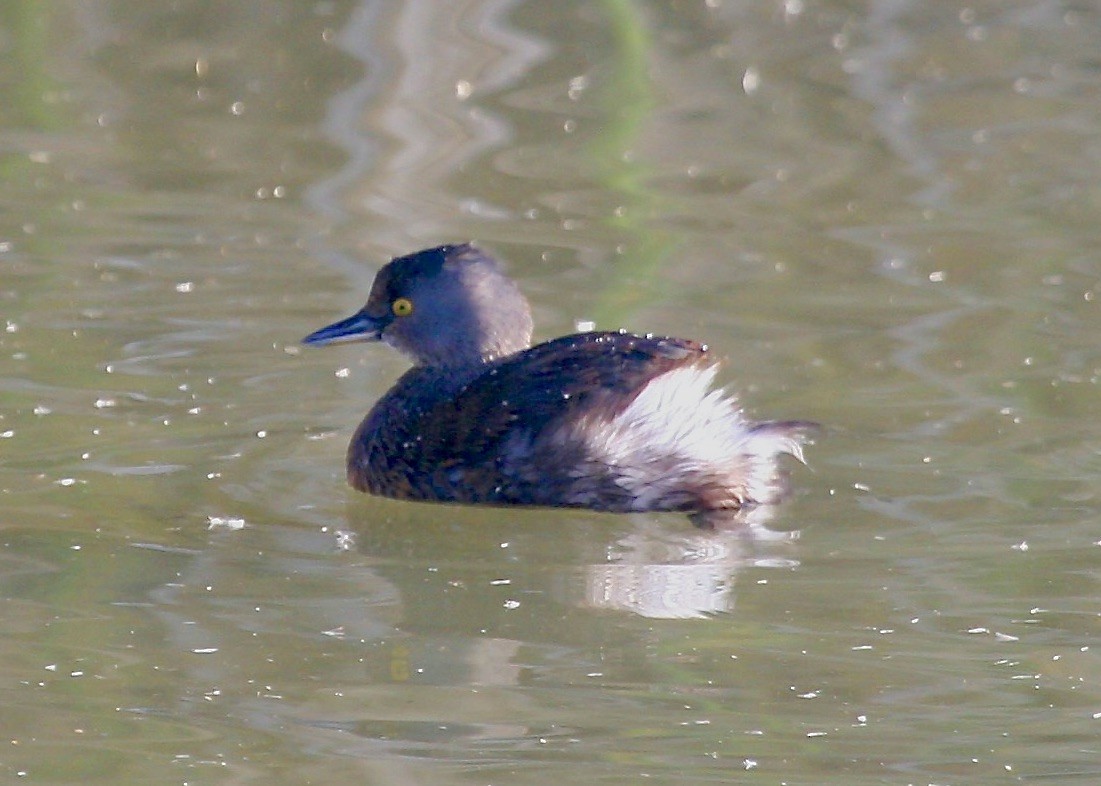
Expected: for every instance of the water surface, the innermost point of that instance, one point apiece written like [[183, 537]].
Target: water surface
[[883, 215]]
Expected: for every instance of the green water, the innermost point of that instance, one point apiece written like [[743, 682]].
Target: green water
[[884, 216]]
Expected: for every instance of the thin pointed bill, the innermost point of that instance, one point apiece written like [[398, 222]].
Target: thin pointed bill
[[358, 327]]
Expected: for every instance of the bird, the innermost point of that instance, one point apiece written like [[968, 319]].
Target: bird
[[605, 420]]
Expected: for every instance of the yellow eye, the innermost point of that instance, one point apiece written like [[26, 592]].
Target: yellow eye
[[402, 307]]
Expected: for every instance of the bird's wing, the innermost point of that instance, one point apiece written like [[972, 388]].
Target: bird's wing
[[564, 377]]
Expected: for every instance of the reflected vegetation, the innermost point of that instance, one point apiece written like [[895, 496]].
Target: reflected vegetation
[[883, 215]]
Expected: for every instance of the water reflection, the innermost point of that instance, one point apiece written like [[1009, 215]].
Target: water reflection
[[668, 574], [884, 213], [657, 567]]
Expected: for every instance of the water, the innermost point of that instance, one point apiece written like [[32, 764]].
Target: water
[[882, 216]]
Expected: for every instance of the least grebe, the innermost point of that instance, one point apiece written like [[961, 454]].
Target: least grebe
[[603, 420]]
